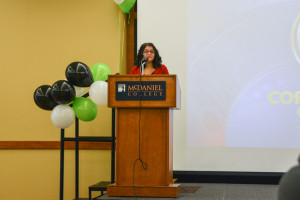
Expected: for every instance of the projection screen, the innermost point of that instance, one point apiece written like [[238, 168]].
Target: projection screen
[[238, 64]]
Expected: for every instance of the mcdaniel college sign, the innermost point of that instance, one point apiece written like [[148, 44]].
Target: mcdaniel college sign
[[144, 90]]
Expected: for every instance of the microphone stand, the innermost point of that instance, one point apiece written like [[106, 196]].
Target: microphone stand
[[144, 165], [143, 62], [142, 68]]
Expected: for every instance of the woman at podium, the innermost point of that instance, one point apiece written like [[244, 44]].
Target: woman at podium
[[149, 57]]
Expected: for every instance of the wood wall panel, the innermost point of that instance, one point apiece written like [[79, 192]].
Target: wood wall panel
[[130, 42]]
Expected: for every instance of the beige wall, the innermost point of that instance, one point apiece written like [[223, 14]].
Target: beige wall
[[38, 39]]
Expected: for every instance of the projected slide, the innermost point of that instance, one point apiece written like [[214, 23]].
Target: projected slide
[[243, 74]]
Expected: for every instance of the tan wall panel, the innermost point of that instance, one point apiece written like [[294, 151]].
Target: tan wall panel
[[34, 174], [38, 39]]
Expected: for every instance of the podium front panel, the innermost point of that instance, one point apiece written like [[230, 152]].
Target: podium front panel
[[154, 147]]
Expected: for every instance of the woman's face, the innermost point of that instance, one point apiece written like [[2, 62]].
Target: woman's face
[[149, 52]]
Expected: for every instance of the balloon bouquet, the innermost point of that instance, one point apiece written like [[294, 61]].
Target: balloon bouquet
[[65, 97]]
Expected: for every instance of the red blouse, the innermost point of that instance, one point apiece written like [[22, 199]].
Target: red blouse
[[161, 70]]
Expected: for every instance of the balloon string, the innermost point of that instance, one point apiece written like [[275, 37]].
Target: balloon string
[[85, 95]]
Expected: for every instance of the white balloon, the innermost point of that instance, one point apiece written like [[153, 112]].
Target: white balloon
[[98, 92], [79, 91], [119, 1], [62, 116]]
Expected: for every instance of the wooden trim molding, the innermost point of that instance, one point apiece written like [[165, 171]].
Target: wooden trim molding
[[53, 145]]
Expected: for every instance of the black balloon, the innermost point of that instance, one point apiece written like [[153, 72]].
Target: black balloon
[[79, 74], [63, 92], [43, 99]]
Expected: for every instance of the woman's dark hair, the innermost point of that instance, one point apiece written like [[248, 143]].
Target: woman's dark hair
[[157, 59]]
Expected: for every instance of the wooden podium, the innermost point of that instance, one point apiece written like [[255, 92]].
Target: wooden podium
[[144, 129]]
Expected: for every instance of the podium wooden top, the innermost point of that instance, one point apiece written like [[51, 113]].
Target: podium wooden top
[[173, 94]]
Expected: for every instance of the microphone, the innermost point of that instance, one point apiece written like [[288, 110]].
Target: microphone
[[144, 59]]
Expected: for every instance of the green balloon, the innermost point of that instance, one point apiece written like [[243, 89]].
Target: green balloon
[[100, 72], [85, 109]]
